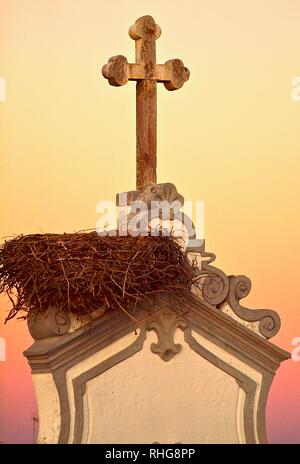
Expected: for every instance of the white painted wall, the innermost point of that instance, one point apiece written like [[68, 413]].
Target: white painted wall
[[48, 408], [146, 400]]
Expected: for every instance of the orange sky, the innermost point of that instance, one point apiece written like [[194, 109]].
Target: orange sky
[[230, 137]]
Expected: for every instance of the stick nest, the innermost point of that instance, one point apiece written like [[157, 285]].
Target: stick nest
[[82, 272]]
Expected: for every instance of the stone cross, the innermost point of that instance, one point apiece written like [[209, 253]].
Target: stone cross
[[147, 73]]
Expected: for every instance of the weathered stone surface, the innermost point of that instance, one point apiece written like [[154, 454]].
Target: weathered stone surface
[[147, 73]]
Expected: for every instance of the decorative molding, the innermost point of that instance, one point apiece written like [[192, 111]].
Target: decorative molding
[[235, 337], [48, 354], [269, 321], [163, 204], [165, 325], [154, 192], [214, 283], [217, 288], [54, 323]]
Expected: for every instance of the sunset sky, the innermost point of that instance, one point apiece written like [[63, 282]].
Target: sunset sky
[[229, 137]]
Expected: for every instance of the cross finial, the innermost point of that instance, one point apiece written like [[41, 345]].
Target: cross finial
[[147, 73]]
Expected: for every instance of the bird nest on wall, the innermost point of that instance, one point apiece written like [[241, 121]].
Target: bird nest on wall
[[82, 272]]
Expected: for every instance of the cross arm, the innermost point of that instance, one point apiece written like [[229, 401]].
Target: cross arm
[[173, 74]]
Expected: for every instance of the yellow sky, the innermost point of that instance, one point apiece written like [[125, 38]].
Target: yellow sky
[[230, 137]]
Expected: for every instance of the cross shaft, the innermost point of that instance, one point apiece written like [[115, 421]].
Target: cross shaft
[[147, 73]]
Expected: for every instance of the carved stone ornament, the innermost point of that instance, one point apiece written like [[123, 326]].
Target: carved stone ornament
[[165, 325], [53, 323], [217, 289], [269, 321], [157, 192]]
